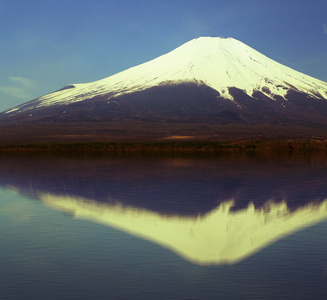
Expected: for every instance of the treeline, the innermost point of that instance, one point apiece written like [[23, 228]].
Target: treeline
[[167, 146]]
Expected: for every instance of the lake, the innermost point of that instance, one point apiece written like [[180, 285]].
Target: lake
[[191, 226]]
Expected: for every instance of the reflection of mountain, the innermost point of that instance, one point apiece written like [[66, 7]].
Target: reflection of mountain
[[218, 237], [182, 204], [183, 186]]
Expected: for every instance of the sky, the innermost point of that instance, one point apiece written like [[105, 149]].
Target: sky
[[47, 44]]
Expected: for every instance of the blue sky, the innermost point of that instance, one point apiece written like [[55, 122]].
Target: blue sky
[[47, 44]]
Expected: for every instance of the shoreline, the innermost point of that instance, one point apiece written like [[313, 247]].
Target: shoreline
[[167, 146], [139, 136]]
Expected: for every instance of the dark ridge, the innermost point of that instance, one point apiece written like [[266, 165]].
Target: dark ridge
[[146, 115], [66, 87]]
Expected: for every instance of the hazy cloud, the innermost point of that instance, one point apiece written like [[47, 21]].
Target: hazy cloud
[[18, 87], [325, 28], [23, 81]]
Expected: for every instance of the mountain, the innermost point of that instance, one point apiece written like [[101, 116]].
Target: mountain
[[211, 80]]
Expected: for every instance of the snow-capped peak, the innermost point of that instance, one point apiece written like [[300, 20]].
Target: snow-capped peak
[[217, 62]]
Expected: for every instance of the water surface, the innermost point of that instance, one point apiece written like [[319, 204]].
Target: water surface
[[173, 227]]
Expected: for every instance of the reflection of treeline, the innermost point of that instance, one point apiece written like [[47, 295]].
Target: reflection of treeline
[[199, 181], [168, 146]]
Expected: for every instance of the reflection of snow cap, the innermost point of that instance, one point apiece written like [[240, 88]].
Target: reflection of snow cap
[[219, 237]]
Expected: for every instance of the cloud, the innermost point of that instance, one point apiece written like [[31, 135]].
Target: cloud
[[12, 91], [23, 81], [325, 28], [18, 87]]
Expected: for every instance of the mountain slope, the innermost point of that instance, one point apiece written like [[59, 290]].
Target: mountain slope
[[207, 79]]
